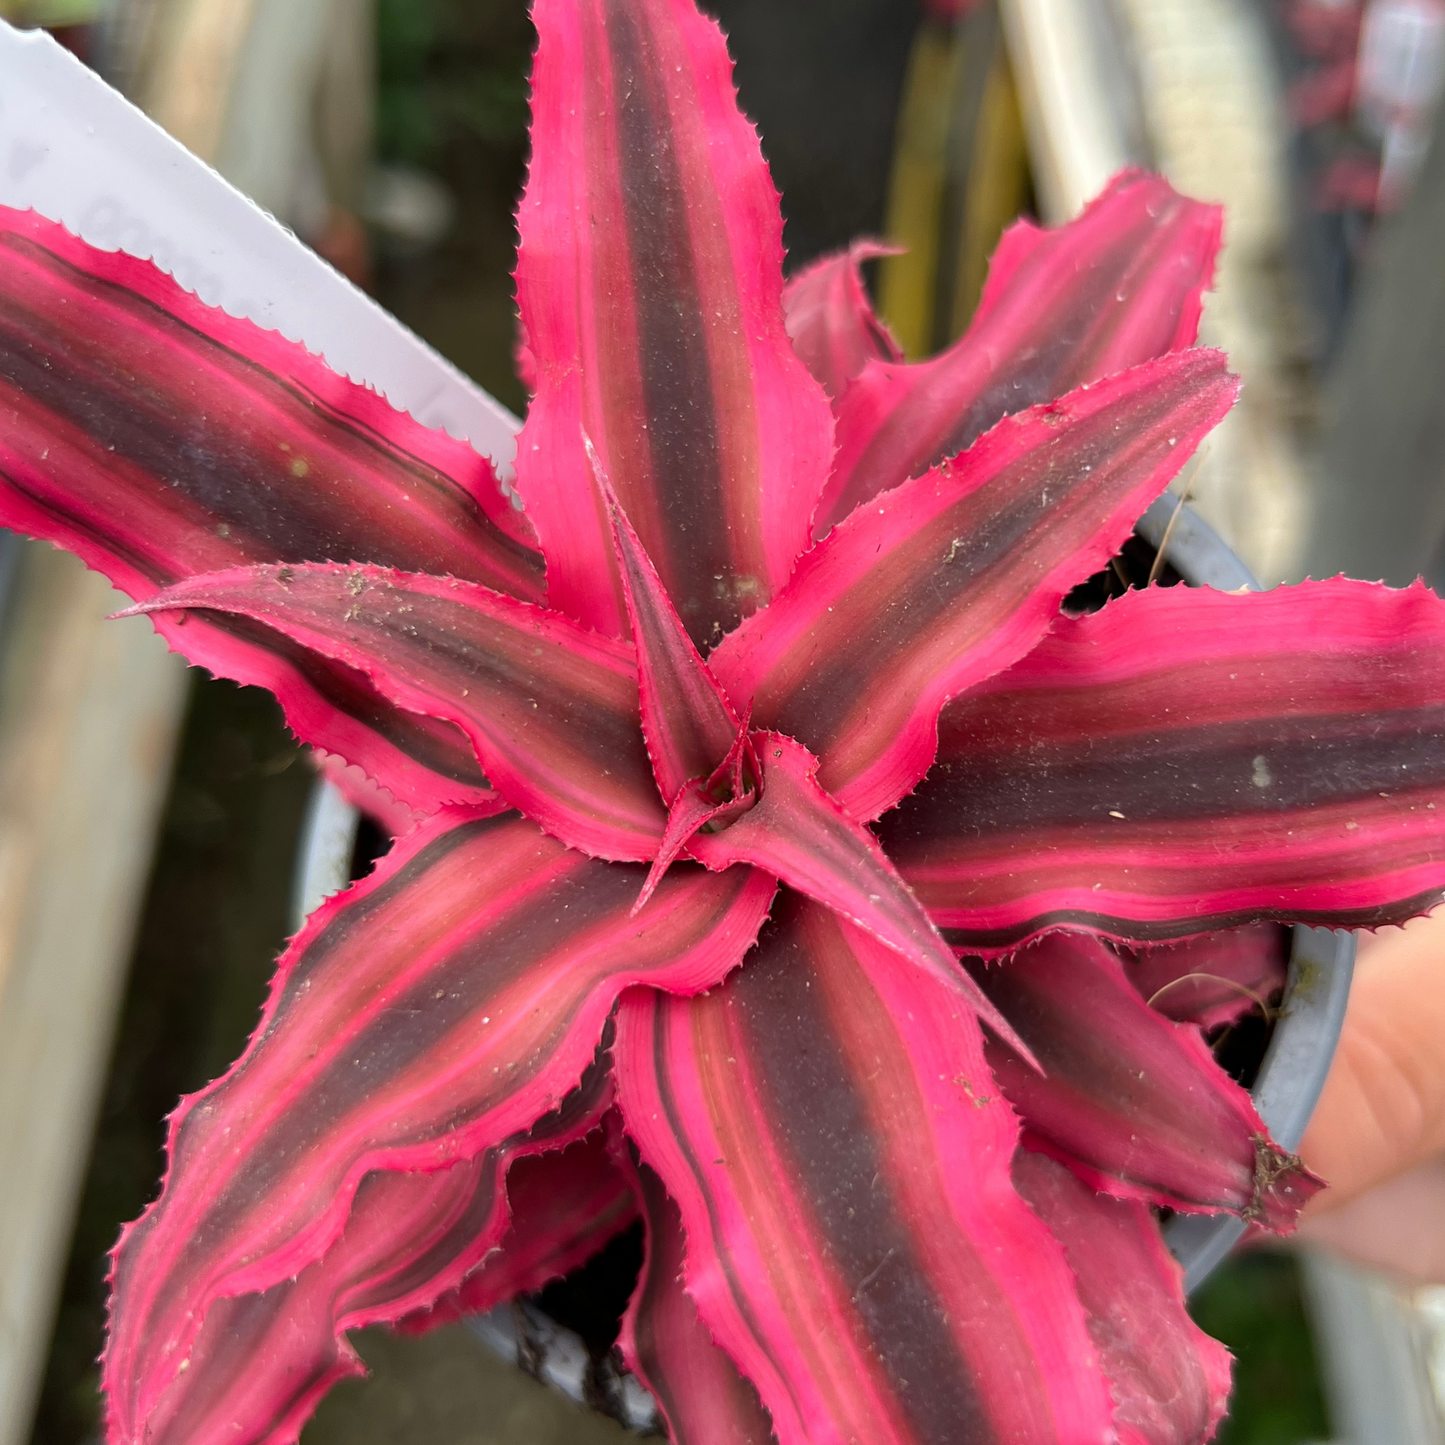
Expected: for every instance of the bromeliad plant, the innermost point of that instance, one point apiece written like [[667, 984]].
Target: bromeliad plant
[[722, 753]]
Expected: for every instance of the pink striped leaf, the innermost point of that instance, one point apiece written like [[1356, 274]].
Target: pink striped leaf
[[157, 437], [1186, 760], [831, 321], [693, 809], [393, 819], [649, 279], [703, 1397], [563, 1206], [1135, 1104], [1121, 284], [1214, 979], [687, 720], [550, 707], [702, 756], [1170, 1381], [433, 1013], [950, 578], [796, 832], [840, 1157], [261, 1362]]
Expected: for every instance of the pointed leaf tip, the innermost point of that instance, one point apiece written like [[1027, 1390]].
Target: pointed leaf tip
[[687, 719], [649, 208], [947, 579], [1135, 1104], [1120, 285], [796, 832], [691, 810], [550, 707], [158, 438], [722, 798], [831, 321]]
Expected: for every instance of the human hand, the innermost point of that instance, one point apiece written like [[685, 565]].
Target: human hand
[[1378, 1135]]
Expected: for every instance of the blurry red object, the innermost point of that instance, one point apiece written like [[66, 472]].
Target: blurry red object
[[1351, 183], [1327, 29], [949, 11], [1323, 94]]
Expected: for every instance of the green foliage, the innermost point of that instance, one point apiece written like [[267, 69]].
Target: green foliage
[[1253, 1304], [450, 69], [49, 12]]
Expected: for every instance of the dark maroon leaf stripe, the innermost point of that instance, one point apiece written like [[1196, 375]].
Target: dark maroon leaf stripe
[[564, 1205], [949, 578], [1121, 284], [433, 1013], [262, 1362], [828, 1127], [157, 437], [648, 208], [702, 1396], [550, 706], [689, 727], [188, 440], [423, 761], [1134, 1103], [1185, 761]]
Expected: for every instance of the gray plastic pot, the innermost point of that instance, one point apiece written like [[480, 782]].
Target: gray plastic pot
[[1286, 1089]]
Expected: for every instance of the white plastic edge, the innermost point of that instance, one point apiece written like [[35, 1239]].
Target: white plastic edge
[[324, 850], [77, 152]]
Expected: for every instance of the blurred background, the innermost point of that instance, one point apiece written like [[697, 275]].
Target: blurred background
[[390, 135]]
